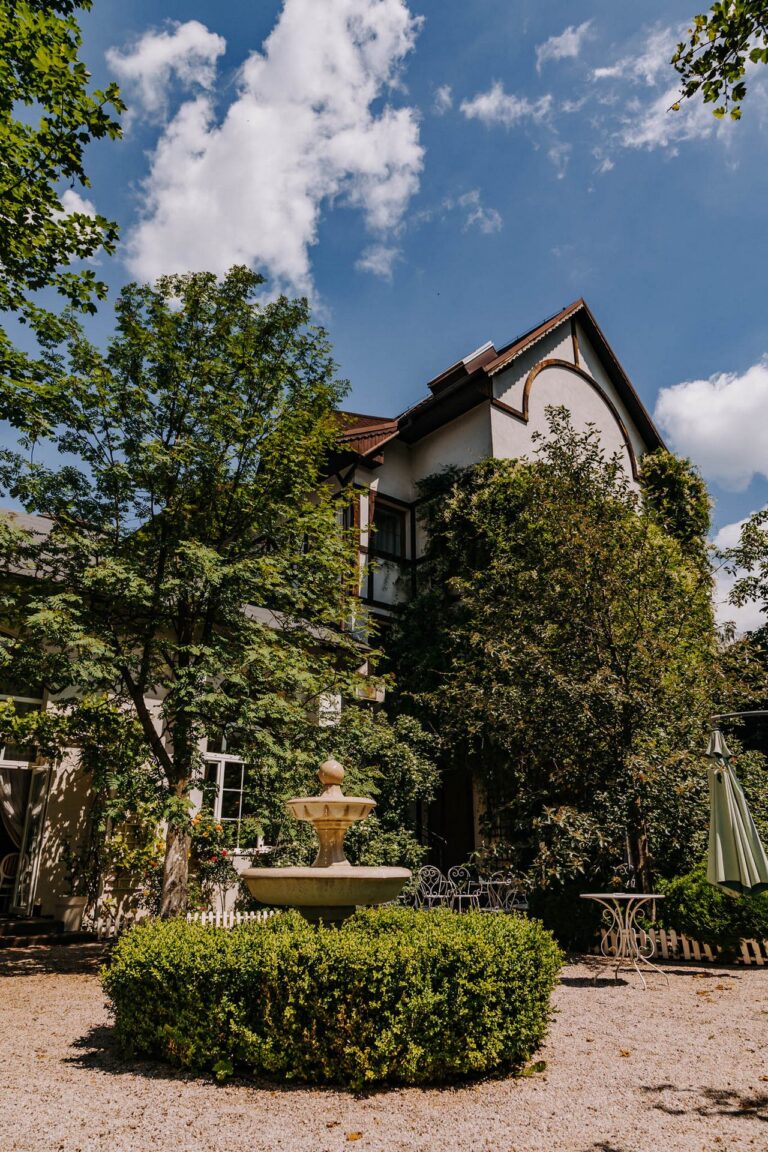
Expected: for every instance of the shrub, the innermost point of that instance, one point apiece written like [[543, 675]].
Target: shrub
[[392, 995], [700, 910]]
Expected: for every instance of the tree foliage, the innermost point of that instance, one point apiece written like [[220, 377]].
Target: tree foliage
[[48, 116], [721, 44], [562, 644], [193, 570]]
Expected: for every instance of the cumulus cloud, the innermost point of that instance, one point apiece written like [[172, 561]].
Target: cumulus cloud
[[187, 52], [443, 99], [720, 423], [299, 134], [499, 107], [72, 201], [748, 616], [567, 45]]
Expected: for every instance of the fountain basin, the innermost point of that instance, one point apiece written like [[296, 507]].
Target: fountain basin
[[330, 893]]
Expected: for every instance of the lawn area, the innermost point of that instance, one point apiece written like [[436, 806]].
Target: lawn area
[[679, 1069]]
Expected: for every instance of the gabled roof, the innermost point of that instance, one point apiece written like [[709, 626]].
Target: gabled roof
[[469, 382]]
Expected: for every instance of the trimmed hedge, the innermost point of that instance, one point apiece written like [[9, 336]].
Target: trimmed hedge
[[392, 995], [700, 910]]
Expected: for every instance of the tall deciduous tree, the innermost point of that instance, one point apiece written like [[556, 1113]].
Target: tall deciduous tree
[[563, 646], [48, 116], [721, 45], [194, 568]]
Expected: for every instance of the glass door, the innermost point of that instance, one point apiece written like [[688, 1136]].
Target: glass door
[[31, 843]]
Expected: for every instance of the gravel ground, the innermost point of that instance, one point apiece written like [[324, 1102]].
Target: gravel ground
[[683, 1069]]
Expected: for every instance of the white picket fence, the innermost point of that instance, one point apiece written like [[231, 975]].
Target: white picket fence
[[229, 919], [672, 945]]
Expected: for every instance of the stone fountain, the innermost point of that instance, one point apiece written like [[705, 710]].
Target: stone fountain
[[331, 888]]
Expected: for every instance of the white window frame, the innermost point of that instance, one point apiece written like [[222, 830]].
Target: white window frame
[[221, 760]]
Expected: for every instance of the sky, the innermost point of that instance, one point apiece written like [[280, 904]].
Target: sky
[[437, 174]]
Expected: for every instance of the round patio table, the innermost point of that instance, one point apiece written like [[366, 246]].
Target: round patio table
[[633, 945]]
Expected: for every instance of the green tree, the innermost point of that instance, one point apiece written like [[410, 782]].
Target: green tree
[[48, 117], [748, 560], [194, 570], [562, 644], [721, 44]]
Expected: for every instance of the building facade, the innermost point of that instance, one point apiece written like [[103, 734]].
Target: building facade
[[489, 404]]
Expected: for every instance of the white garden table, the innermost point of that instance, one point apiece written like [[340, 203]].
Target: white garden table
[[634, 946]]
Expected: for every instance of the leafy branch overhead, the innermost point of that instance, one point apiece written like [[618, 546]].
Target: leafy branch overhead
[[715, 59], [48, 117]]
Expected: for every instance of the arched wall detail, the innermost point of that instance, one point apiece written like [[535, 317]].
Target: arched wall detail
[[523, 413]]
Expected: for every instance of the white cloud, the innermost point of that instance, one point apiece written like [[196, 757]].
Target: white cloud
[[379, 260], [641, 100], [748, 616], [653, 125], [488, 220], [499, 107], [649, 64], [559, 152], [188, 52], [298, 135], [567, 45], [720, 423], [443, 100], [72, 201]]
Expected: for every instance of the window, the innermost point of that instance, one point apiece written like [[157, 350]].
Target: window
[[389, 536], [224, 784], [25, 698]]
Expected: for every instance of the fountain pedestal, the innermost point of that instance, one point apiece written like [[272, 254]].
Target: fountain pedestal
[[331, 888]]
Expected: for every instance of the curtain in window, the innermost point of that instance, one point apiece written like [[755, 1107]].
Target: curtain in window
[[14, 789]]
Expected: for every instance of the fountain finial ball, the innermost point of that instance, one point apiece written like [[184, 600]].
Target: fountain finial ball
[[331, 772]]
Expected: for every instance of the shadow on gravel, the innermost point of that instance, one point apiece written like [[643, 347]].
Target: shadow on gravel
[[605, 1146], [716, 1102], [98, 1051], [53, 959]]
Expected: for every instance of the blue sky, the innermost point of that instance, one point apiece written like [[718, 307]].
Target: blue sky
[[442, 173]]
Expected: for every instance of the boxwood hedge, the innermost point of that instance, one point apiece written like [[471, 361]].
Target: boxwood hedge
[[392, 995]]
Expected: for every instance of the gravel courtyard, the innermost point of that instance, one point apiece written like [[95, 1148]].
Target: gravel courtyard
[[627, 1071]]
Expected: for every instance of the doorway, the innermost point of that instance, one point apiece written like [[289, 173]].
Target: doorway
[[23, 798]]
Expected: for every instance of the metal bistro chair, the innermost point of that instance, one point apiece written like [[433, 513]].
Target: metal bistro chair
[[434, 890], [504, 894], [467, 890]]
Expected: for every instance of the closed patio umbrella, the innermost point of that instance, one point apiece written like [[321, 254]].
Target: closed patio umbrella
[[737, 861]]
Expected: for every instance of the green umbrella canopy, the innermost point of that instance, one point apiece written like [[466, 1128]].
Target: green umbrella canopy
[[737, 861]]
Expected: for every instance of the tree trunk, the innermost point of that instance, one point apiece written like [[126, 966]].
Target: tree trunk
[[175, 872], [637, 839]]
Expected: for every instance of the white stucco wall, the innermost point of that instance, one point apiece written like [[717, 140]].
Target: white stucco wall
[[508, 385], [591, 363], [458, 444], [395, 476]]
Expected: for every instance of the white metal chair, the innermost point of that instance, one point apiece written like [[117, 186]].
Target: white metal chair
[[504, 894], [434, 890], [466, 888]]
